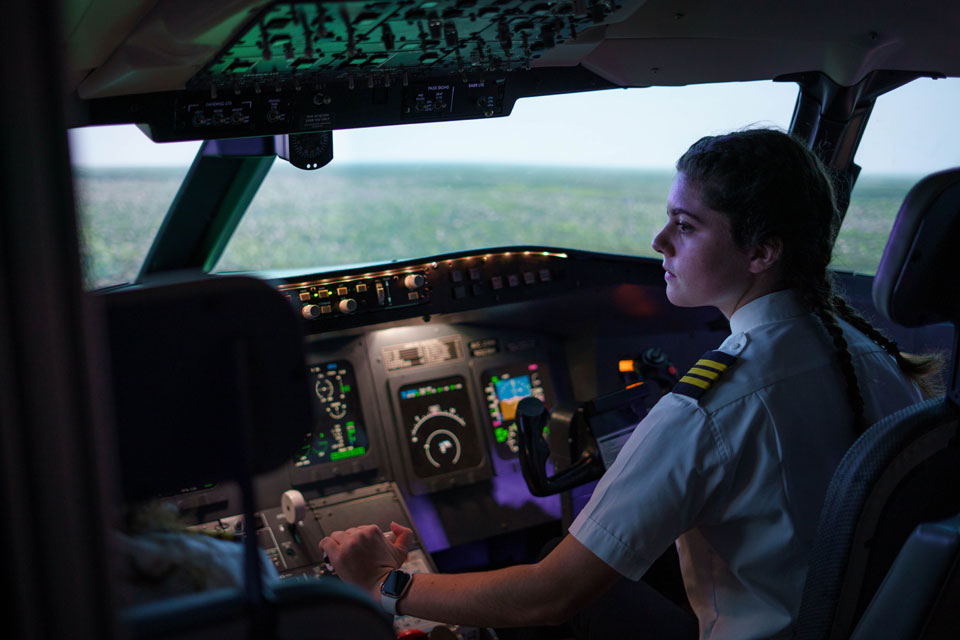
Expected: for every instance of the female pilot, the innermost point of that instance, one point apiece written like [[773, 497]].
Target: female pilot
[[733, 465]]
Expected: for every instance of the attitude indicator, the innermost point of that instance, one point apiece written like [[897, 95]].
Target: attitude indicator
[[504, 388]]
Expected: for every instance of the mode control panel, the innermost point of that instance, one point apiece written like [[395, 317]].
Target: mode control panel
[[454, 282], [360, 295]]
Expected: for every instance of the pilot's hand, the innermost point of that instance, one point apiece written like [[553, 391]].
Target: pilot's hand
[[365, 555]]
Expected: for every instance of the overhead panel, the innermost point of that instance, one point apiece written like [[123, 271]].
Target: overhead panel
[[292, 45]]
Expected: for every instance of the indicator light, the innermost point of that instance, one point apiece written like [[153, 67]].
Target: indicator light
[[627, 366], [348, 453]]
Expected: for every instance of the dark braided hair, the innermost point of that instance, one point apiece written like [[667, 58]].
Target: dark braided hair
[[774, 190]]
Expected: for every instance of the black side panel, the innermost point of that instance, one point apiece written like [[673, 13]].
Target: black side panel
[[52, 447]]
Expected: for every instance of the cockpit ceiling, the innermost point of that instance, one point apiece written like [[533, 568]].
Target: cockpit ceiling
[[121, 47]]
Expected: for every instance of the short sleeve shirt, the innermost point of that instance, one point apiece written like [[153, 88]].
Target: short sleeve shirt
[[737, 477]]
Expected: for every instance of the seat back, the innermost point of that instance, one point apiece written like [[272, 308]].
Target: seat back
[[918, 596], [210, 385], [904, 470]]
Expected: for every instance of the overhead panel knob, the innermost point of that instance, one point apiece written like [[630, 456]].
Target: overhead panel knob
[[310, 311], [347, 305]]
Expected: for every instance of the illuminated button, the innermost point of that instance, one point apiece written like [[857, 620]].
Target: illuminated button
[[513, 280], [474, 273], [529, 278], [324, 294], [361, 288], [325, 309], [304, 296], [342, 291], [544, 275], [496, 283], [456, 275]]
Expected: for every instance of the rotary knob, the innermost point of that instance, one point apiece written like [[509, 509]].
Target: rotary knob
[[347, 305], [310, 311], [413, 281]]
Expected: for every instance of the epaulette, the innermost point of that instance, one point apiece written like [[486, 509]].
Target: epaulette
[[702, 375]]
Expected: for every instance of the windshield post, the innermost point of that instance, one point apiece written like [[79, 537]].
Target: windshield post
[[216, 192]]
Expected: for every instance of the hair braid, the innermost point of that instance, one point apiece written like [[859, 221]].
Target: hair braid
[[922, 369], [846, 367], [819, 296]]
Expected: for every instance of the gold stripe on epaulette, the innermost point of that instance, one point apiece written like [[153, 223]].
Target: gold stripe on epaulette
[[703, 384], [706, 373], [703, 375], [713, 363]]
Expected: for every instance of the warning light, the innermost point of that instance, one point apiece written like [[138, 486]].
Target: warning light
[[627, 366]]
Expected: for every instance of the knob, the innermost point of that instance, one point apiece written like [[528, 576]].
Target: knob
[[347, 305], [310, 311], [413, 281], [293, 505]]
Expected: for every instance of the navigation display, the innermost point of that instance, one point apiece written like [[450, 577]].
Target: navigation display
[[339, 432], [439, 426], [504, 387]]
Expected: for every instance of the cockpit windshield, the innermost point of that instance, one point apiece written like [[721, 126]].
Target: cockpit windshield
[[583, 171]]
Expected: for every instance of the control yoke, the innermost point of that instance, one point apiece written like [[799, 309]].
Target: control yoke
[[597, 430]]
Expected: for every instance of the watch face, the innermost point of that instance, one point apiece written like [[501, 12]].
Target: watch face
[[396, 583]]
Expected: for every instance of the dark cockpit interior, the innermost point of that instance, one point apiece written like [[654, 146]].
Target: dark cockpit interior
[[400, 397]]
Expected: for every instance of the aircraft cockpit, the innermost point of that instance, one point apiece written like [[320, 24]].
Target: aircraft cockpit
[[322, 154]]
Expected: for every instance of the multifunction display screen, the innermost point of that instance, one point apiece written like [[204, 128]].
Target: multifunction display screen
[[504, 387], [339, 432], [439, 426]]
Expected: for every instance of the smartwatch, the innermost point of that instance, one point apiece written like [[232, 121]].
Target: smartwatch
[[394, 588]]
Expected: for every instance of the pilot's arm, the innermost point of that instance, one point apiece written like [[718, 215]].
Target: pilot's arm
[[548, 592]]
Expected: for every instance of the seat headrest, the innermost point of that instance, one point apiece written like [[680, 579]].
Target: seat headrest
[[192, 363], [918, 281]]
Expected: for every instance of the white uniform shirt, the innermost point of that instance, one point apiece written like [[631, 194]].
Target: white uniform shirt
[[738, 477]]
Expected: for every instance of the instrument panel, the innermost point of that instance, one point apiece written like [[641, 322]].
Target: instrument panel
[[410, 405], [416, 368]]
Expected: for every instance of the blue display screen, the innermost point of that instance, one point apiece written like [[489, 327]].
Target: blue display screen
[[510, 388]]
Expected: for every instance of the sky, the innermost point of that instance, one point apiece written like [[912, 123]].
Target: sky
[[912, 130]]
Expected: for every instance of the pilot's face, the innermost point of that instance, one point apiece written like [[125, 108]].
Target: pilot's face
[[703, 265]]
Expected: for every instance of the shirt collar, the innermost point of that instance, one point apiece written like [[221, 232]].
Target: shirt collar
[[779, 305]]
